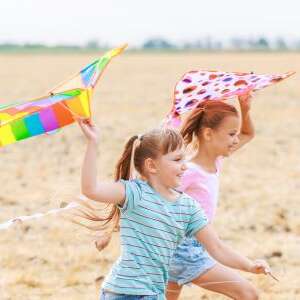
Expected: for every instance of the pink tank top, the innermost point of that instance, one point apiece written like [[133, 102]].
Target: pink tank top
[[202, 186]]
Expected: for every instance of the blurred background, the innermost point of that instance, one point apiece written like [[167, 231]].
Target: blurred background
[[172, 25], [43, 43]]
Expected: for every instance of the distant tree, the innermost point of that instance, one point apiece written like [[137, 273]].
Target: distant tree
[[280, 44], [158, 43], [198, 44], [238, 43], [10, 46], [208, 43], [92, 44], [297, 45], [187, 46], [32, 46], [218, 45], [262, 44]]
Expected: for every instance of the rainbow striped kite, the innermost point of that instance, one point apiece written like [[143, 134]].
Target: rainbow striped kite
[[42, 115], [62, 106], [88, 77]]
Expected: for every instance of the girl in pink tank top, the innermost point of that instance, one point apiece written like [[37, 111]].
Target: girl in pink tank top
[[203, 186], [215, 131]]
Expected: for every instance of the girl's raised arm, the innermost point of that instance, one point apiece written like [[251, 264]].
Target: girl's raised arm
[[226, 255], [247, 127], [108, 192]]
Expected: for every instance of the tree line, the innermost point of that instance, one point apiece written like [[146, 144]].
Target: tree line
[[202, 44]]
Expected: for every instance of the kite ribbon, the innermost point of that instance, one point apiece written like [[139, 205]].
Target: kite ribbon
[[22, 219]]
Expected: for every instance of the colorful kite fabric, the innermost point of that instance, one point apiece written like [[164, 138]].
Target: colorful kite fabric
[[42, 115], [65, 103], [197, 86], [89, 75]]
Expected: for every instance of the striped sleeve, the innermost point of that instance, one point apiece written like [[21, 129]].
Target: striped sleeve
[[132, 195], [198, 220]]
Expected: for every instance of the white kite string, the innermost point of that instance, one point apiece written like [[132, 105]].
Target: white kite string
[[22, 219]]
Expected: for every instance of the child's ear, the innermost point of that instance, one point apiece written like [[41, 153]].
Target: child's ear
[[207, 134], [150, 166]]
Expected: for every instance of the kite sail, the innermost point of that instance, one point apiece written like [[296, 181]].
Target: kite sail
[[197, 86], [66, 102], [88, 77], [42, 115]]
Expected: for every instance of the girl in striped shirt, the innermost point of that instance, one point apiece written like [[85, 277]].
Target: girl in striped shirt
[[152, 216]]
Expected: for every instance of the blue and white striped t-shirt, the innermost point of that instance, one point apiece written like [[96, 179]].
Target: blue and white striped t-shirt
[[151, 227]]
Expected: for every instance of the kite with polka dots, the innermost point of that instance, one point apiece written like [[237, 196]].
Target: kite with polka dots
[[197, 86]]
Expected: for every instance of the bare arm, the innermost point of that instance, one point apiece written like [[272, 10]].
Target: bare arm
[[108, 192], [247, 127], [226, 255]]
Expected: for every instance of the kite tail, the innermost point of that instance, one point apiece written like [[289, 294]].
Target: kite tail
[[22, 219]]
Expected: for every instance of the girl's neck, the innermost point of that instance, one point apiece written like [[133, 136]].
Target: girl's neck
[[206, 159], [166, 192]]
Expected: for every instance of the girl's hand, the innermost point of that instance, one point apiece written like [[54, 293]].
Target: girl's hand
[[245, 102], [102, 242], [260, 266], [89, 130]]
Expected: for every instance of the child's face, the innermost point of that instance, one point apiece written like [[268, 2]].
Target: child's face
[[170, 168], [226, 136]]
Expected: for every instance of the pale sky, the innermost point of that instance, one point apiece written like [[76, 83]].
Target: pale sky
[[133, 21]]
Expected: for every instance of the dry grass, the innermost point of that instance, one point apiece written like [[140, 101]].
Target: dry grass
[[259, 202]]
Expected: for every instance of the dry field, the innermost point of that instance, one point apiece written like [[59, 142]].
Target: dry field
[[260, 185]]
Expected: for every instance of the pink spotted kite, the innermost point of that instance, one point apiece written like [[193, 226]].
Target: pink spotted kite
[[197, 86]]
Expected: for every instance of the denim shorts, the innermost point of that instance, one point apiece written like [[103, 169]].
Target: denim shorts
[[112, 296], [189, 261]]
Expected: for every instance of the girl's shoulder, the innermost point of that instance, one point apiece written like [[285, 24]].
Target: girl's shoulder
[[185, 200], [186, 205], [135, 191], [139, 184]]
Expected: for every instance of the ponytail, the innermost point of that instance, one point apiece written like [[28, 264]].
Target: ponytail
[[207, 114], [192, 125], [125, 165]]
